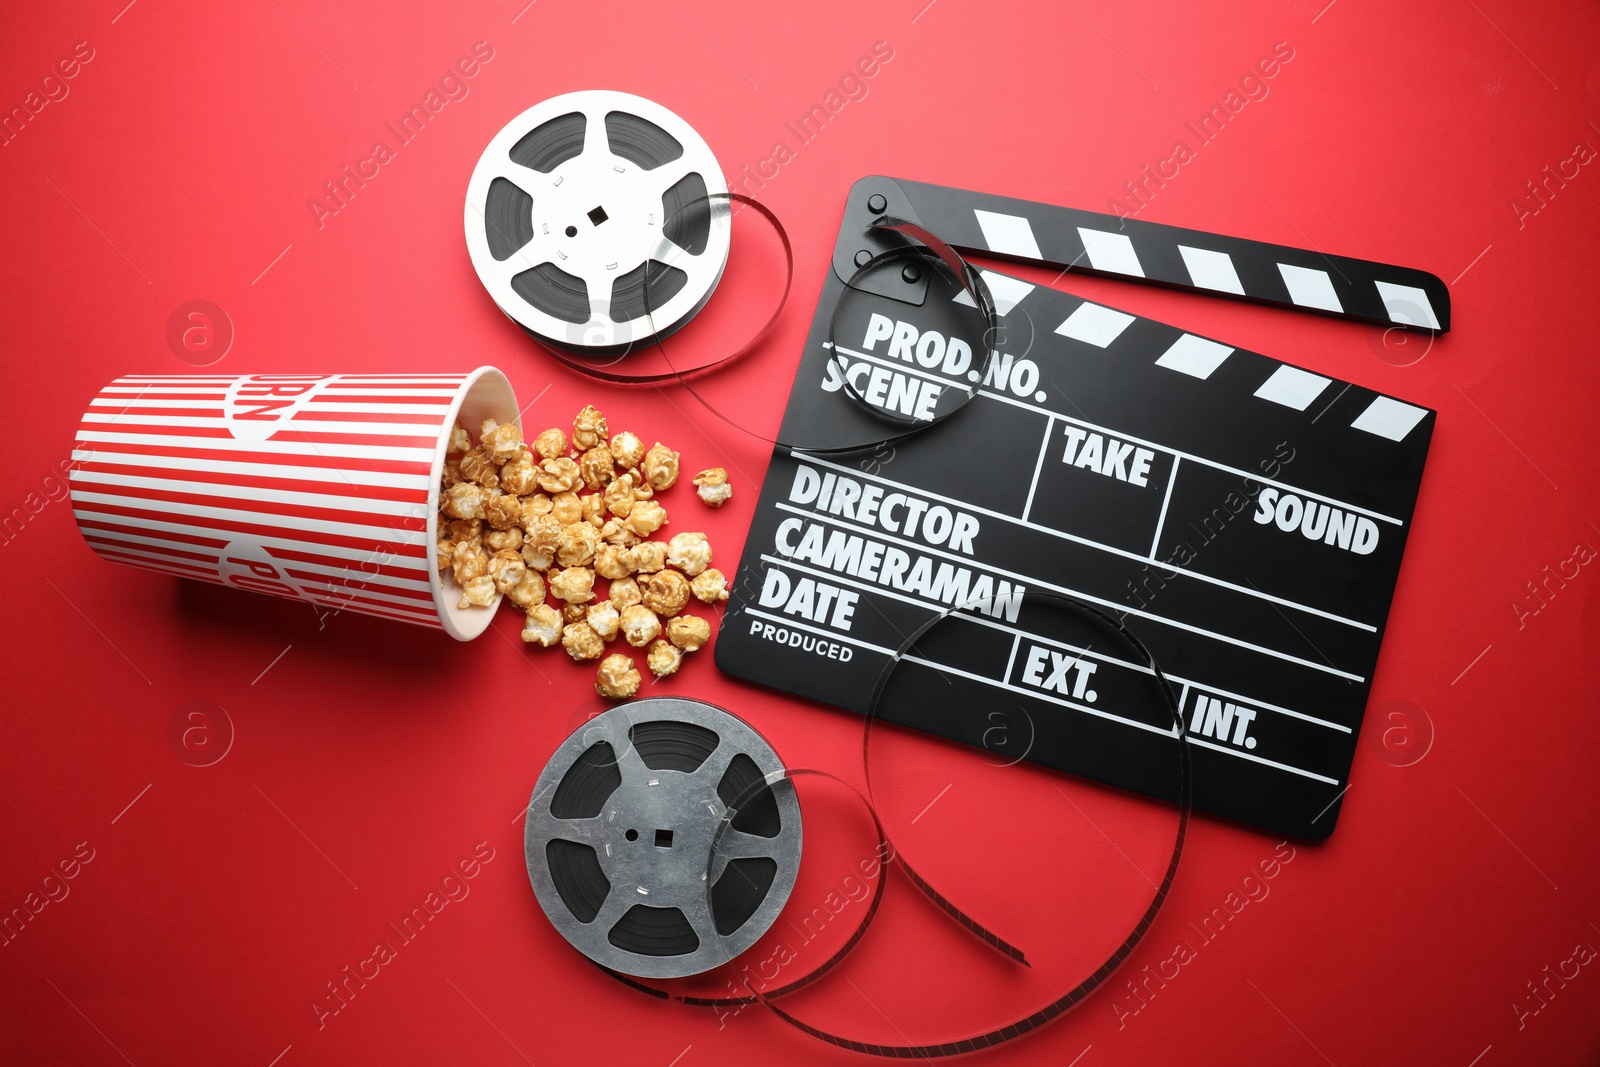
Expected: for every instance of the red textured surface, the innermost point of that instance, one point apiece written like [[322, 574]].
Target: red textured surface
[[369, 759]]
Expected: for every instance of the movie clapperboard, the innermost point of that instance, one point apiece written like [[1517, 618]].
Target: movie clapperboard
[[1244, 517]]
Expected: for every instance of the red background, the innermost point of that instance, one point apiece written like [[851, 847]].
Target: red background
[[368, 758]]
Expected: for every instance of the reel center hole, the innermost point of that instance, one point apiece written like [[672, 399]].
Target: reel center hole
[[598, 215], [663, 839]]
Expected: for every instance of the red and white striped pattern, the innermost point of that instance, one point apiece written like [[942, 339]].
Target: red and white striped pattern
[[313, 487]]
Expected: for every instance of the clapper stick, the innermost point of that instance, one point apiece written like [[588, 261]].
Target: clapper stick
[[1134, 250]]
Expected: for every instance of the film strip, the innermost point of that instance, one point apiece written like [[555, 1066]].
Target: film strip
[[646, 909], [1246, 517]]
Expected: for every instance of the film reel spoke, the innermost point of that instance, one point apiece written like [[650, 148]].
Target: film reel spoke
[[529, 257], [611, 910], [594, 121], [711, 771], [601, 297], [629, 762], [505, 169], [662, 179], [583, 831], [735, 845]]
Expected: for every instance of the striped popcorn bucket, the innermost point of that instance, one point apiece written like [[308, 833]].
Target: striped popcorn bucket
[[315, 487]]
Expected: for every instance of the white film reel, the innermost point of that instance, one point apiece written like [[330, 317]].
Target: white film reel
[[575, 199]]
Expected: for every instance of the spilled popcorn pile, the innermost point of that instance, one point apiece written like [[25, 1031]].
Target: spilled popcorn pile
[[540, 525]]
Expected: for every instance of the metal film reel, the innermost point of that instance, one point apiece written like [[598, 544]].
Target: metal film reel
[[619, 832], [577, 200]]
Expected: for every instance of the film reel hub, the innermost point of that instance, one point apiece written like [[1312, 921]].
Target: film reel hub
[[594, 217], [587, 219], [655, 843]]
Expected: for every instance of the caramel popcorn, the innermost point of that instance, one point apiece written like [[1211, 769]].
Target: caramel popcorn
[[645, 518], [538, 521], [619, 495], [625, 593], [542, 626], [567, 508], [578, 542], [614, 533], [539, 557], [660, 467], [617, 677], [550, 444], [464, 529], [501, 441], [501, 540], [477, 592], [477, 466], [542, 539], [533, 508], [712, 486], [627, 449], [575, 585], [596, 468], [594, 510], [581, 642], [664, 658], [518, 475], [529, 592], [640, 625], [464, 500], [502, 510], [665, 592], [688, 632], [710, 586], [649, 556], [559, 475], [544, 531], [507, 570], [588, 429], [642, 489], [605, 618], [689, 552], [469, 561], [613, 562]]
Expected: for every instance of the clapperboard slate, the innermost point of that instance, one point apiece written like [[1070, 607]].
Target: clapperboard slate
[[1245, 517]]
